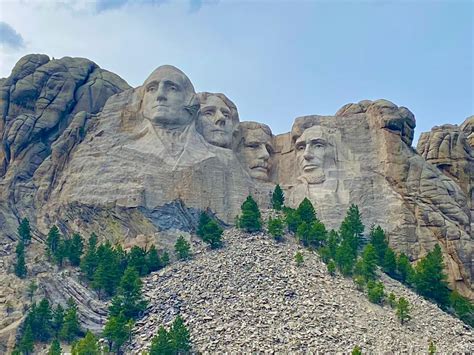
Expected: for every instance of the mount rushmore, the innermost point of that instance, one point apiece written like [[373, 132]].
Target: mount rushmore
[[83, 150]]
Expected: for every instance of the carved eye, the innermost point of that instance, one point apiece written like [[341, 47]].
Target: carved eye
[[151, 89], [173, 88], [300, 147], [208, 113], [253, 145]]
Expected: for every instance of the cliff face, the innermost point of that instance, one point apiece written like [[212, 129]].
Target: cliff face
[[42, 102], [83, 150]]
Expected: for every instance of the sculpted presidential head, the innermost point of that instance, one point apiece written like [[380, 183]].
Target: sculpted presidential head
[[314, 152], [169, 100], [253, 144], [217, 119]]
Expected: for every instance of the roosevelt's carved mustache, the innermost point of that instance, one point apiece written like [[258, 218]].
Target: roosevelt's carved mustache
[[259, 165]]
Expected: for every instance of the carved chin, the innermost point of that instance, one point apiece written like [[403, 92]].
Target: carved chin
[[313, 178], [219, 140], [259, 174]]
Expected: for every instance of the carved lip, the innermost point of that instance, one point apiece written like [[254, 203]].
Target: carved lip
[[309, 167], [160, 105]]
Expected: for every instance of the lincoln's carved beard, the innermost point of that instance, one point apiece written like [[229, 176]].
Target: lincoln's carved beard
[[313, 178]]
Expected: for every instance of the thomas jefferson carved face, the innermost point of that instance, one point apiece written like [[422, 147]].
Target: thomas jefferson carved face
[[168, 95], [216, 121], [313, 151], [254, 149]]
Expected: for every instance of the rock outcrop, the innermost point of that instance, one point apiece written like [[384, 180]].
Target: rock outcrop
[[251, 297], [41, 101]]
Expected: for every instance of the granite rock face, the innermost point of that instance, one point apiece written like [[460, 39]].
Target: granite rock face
[[83, 150], [44, 107]]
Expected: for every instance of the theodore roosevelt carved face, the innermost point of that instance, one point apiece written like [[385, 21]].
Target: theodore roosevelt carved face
[[254, 149], [168, 98]]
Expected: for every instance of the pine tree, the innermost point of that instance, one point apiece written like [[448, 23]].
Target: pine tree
[[117, 330], [55, 348], [430, 279], [403, 310], [137, 259], [306, 211], [20, 265], [161, 343], [165, 258], [463, 307], [71, 328], [302, 233], [179, 336], [86, 346], [58, 319], [299, 259], [24, 231], [331, 268], [368, 263], [209, 231], [332, 243], [390, 262], [250, 219], [345, 258], [431, 347], [404, 269], [90, 260], [379, 241], [109, 270], [182, 248], [275, 228], [53, 241], [32, 287], [75, 249], [278, 198], [27, 342], [392, 301], [375, 292], [356, 351], [292, 219], [204, 219], [153, 259], [128, 301], [40, 320], [352, 228]]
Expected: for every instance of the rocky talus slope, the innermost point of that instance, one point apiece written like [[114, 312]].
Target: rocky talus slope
[[250, 296]]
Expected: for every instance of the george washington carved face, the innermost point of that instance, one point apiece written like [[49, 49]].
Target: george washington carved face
[[168, 98]]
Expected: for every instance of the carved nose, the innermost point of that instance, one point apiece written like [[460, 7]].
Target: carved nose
[[263, 154], [161, 96], [308, 155], [220, 120]]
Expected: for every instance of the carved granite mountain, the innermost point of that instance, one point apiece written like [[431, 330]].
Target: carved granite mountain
[[83, 150]]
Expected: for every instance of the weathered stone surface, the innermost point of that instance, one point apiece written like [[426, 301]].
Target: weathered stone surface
[[83, 150], [38, 103], [251, 297], [362, 155]]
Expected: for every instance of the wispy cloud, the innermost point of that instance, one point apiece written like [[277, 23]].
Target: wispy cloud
[[9, 37], [195, 5], [105, 5]]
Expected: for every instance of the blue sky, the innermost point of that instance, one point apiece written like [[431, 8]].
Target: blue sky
[[276, 60]]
